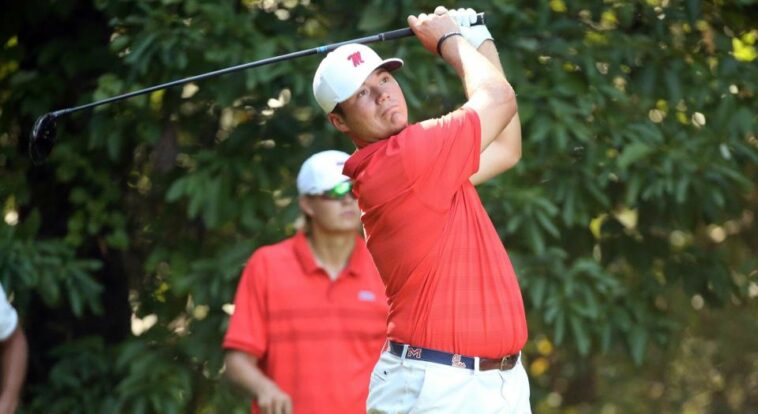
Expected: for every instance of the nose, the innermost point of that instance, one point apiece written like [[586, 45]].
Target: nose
[[382, 96]]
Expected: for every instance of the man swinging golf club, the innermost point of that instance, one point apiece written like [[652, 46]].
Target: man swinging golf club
[[456, 324]]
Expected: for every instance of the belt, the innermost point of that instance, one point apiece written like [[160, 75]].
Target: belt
[[454, 360]]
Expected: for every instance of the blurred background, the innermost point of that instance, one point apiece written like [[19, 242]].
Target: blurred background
[[630, 219]]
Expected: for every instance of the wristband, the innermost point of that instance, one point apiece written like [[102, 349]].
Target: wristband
[[445, 37]]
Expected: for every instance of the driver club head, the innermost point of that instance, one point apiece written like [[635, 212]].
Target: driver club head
[[42, 138]]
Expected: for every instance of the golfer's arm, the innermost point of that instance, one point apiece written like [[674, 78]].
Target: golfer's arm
[[242, 369], [505, 150], [488, 92], [14, 359]]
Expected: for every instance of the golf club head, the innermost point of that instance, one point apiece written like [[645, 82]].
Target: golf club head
[[42, 138]]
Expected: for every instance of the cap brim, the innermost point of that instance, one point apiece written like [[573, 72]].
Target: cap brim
[[391, 64], [324, 187]]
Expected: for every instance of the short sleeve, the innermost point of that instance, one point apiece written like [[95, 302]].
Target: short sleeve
[[8, 317], [441, 157], [247, 326]]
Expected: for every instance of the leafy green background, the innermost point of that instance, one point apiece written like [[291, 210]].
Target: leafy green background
[[630, 219]]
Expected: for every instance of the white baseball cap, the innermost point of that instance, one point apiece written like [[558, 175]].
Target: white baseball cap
[[343, 71], [321, 172]]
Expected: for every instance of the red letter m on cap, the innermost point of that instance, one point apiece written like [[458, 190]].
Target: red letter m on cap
[[356, 58]]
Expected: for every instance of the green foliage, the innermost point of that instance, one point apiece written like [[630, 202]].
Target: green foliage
[[629, 218], [82, 365], [51, 269]]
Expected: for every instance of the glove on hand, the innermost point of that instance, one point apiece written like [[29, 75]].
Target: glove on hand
[[475, 35]]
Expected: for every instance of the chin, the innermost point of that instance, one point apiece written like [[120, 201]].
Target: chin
[[344, 230], [352, 225], [399, 129]]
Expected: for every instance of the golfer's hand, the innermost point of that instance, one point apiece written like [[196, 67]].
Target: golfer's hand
[[428, 28], [465, 18], [272, 400]]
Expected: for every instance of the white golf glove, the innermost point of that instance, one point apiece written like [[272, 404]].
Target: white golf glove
[[475, 35]]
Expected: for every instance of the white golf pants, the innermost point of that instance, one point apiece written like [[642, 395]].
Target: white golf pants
[[401, 385]]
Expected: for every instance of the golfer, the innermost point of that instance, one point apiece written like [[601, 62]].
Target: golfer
[[310, 311], [456, 322]]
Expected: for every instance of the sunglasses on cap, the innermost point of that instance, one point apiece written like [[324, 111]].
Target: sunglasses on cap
[[338, 192]]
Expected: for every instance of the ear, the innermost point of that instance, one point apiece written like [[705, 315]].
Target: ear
[[305, 206], [338, 122]]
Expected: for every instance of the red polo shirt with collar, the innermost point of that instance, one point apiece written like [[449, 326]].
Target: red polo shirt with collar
[[317, 339], [448, 278]]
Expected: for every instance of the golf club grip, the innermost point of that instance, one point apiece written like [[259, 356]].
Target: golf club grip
[[400, 33]]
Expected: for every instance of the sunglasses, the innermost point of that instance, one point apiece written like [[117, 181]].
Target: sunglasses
[[338, 192]]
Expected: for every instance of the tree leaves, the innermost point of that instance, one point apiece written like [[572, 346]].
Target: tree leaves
[[633, 153]]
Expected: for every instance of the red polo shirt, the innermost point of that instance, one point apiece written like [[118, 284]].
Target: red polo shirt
[[316, 338], [448, 278]]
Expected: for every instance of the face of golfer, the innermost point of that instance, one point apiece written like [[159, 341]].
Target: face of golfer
[[332, 215], [376, 111]]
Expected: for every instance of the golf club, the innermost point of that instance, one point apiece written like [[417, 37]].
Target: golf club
[[42, 138]]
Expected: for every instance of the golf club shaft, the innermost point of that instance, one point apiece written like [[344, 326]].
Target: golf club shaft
[[393, 34]]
